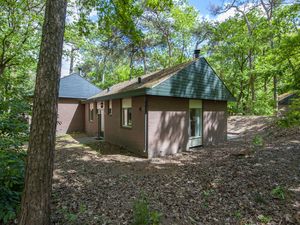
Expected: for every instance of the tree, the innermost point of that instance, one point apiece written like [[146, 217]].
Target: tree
[[35, 207], [19, 31]]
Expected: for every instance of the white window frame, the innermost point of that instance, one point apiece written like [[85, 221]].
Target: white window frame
[[126, 113]]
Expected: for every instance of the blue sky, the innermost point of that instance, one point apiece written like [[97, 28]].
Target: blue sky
[[203, 5]]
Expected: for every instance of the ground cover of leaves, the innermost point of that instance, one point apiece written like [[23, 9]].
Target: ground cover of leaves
[[240, 182]]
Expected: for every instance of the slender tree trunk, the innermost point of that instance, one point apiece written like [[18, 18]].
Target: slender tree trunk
[[265, 85], [169, 52], [131, 64], [2, 67], [103, 70], [72, 60], [35, 206], [144, 61], [275, 93]]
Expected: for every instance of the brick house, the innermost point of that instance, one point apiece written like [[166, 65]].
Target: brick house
[[164, 112], [71, 112]]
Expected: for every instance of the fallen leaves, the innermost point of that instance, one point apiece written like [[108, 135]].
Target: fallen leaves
[[225, 184]]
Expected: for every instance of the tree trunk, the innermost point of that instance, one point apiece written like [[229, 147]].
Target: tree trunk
[[144, 61], [72, 60], [35, 206], [2, 67], [275, 93]]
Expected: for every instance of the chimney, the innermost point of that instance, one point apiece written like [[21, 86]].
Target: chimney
[[79, 71], [196, 53]]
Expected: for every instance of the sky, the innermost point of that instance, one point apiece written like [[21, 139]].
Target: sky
[[201, 5]]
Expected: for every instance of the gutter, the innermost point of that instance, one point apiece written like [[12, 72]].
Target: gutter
[[146, 124]]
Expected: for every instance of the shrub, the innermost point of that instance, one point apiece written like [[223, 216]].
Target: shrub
[[142, 215], [264, 219], [258, 141], [278, 192], [12, 168]]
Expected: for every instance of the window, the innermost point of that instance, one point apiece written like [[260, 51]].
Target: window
[[195, 118], [126, 112], [110, 107], [100, 106], [91, 112]]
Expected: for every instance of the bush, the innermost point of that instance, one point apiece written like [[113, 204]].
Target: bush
[[278, 192], [258, 141], [142, 215], [12, 167]]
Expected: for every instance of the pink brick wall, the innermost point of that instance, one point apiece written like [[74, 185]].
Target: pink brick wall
[[70, 116]]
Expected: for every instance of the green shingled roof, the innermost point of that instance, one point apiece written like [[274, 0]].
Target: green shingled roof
[[194, 79]]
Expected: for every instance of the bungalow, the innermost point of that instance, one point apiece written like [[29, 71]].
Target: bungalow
[[73, 89], [164, 112]]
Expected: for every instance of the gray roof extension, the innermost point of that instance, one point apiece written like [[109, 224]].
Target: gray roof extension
[[195, 79], [75, 86]]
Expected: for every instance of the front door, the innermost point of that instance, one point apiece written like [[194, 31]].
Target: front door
[[195, 128]]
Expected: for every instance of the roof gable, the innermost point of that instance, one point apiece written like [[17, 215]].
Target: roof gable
[[75, 86], [287, 98], [196, 80]]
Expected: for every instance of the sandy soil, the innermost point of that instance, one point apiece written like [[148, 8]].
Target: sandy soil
[[252, 179]]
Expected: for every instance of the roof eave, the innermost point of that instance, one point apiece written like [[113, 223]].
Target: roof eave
[[131, 93]]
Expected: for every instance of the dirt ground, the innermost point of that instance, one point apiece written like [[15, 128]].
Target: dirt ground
[[254, 178]]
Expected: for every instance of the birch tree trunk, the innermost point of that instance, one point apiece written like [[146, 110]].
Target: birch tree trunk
[[35, 206]]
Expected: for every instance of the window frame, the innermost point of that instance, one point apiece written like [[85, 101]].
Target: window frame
[[91, 112], [126, 113], [109, 108]]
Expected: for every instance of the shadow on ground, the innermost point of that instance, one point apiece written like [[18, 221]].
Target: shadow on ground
[[226, 184]]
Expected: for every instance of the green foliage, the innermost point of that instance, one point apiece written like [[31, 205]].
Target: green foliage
[[259, 198], [208, 192], [69, 216], [130, 38], [248, 56], [258, 141], [12, 168], [292, 117], [142, 215], [278, 192], [264, 219], [238, 215], [14, 110]]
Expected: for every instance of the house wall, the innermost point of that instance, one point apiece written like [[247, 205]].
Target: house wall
[[168, 124], [70, 116], [132, 138], [91, 127], [214, 122]]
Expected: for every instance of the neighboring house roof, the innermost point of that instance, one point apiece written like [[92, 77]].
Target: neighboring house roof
[[194, 79], [75, 86], [286, 98]]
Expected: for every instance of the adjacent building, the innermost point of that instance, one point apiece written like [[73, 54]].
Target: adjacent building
[[71, 111]]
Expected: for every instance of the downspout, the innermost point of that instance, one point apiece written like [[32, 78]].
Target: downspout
[[146, 124]]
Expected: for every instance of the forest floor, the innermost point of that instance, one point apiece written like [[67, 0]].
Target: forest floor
[[254, 178]]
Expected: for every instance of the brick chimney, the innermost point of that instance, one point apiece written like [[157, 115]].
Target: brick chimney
[[196, 53]]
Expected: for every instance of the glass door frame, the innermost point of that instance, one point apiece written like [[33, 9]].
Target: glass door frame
[[195, 141]]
